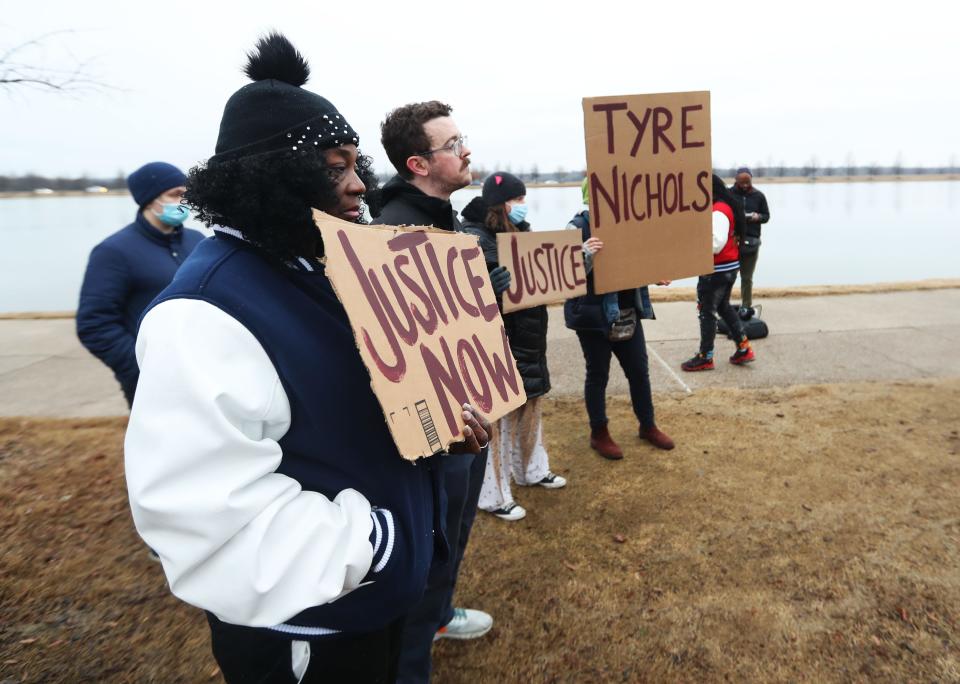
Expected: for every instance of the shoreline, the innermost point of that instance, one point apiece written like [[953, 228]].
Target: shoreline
[[689, 294], [769, 180], [680, 294], [761, 180]]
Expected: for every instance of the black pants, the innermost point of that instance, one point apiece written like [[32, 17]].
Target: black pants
[[462, 481], [251, 656], [748, 263], [632, 355], [713, 298]]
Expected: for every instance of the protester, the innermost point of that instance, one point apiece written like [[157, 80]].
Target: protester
[[754, 205], [259, 464], [610, 324], [713, 291], [516, 446], [129, 268], [432, 161]]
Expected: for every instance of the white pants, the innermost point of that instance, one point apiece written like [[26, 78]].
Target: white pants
[[516, 448]]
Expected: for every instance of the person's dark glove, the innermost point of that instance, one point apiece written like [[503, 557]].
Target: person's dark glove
[[500, 279]]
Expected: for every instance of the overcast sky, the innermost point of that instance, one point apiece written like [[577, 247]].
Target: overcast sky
[[789, 81]]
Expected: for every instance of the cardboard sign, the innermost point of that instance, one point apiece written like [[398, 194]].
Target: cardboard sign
[[427, 325], [649, 165], [545, 267]]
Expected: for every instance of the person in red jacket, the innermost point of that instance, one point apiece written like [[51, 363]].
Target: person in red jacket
[[713, 291]]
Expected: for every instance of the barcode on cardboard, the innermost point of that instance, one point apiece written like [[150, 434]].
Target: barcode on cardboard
[[429, 429]]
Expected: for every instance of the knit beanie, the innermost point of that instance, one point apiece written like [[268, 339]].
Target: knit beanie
[[501, 186], [744, 169], [152, 180], [274, 113]]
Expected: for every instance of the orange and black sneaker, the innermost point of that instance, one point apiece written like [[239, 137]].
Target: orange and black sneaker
[[700, 362], [744, 354]]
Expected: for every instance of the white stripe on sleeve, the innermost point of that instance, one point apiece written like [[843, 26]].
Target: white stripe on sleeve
[[236, 537]]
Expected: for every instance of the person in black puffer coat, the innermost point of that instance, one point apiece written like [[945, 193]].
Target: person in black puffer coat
[[516, 447]]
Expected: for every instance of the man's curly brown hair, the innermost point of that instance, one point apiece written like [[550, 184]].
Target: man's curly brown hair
[[402, 134]]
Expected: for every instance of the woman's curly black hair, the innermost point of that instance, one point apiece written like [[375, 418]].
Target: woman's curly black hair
[[269, 198]]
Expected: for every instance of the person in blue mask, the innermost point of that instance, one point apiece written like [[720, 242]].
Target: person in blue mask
[[516, 446], [129, 268]]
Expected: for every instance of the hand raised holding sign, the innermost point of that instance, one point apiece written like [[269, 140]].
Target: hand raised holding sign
[[593, 245], [545, 267], [649, 165], [476, 433]]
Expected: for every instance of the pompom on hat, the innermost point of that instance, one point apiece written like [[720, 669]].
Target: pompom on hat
[[502, 186], [275, 113]]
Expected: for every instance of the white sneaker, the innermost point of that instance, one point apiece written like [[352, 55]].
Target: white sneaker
[[553, 481], [510, 511], [466, 624]]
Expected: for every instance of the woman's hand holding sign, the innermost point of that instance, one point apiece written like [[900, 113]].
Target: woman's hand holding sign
[[476, 433], [593, 245]]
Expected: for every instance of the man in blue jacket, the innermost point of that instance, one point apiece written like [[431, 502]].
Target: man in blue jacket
[[129, 268]]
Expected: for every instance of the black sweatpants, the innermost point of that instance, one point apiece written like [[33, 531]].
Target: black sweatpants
[[463, 479], [713, 298], [255, 656]]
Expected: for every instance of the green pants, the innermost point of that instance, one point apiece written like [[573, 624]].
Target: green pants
[[748, 262]]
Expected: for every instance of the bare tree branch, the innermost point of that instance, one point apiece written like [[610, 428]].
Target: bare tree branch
[[16, 70]]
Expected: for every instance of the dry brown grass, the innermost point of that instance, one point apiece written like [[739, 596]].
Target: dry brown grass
[[803, 534]]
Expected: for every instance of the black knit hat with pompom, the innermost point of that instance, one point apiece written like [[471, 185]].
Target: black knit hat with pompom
[[274, 113]]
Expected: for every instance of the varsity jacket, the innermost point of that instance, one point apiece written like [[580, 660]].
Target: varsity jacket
[[258, 461], [726, 252]]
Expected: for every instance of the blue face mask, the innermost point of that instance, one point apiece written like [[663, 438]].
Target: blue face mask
[[173, 214], [518, 213]]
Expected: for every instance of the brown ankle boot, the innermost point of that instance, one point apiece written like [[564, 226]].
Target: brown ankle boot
[[603, 443], [657, 437]]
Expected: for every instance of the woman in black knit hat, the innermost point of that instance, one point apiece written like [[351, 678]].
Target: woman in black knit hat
[[258, 461], [516, 447]]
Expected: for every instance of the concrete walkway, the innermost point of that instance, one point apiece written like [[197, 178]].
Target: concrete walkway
[[895, 336]]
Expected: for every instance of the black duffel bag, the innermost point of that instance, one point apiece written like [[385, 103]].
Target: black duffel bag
[[754, 327]]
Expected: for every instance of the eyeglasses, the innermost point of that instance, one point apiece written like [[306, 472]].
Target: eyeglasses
[[456, 147]]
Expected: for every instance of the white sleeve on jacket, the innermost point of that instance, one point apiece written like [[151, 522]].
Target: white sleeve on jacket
[[721, 230], [235, 537]]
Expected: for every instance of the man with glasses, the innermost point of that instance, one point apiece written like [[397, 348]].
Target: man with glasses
[[432, 162]]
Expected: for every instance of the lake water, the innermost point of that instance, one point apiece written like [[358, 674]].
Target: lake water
[[826, 233]]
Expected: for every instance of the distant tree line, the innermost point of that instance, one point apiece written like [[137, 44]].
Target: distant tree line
[[32, 182], [811, 169]]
